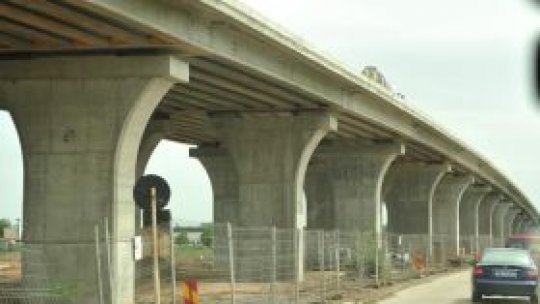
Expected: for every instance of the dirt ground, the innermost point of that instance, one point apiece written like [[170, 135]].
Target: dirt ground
[[10, 270], [350, 291]]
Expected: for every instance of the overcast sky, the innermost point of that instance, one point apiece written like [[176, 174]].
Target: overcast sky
[[466, 64]]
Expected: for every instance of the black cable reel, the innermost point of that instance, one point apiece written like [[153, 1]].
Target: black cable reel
[[143, 198]]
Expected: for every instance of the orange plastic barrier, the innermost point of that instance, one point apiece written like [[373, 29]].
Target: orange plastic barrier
[[190, 292]]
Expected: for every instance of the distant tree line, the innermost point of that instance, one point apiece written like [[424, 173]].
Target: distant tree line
[[207, 234], [4, 223]]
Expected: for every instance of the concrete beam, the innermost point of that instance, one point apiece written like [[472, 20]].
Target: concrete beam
[[446, 202], [80, 122], [210, 27]]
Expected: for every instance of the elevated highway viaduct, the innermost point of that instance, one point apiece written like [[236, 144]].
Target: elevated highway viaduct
[[94, 85]]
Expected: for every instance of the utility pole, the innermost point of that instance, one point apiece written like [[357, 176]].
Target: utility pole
[[18, 220]]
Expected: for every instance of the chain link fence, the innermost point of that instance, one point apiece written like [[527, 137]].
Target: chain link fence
[[229, 264]]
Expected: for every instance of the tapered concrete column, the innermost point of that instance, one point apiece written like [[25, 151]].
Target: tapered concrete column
[[509, 219], [446, 210], [80, 122], [409, 189], [485, 218], [468, 216], [499, 217], [271, 153], [526, 225], [518, 223], [223, 175], [344, 184]]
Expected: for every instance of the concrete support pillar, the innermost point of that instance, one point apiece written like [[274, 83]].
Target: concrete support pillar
[[498, 223], [510, 217], [518, 223], [269, 153], [344, 185], [80, 122], [408, 190], [485, 218], [468, 217], [524, 225], [446, 211], [223, 175]]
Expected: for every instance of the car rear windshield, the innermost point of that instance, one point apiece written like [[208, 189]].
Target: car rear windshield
[[506, 257]]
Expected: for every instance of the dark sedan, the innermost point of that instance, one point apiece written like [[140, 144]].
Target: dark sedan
[[505, 272]]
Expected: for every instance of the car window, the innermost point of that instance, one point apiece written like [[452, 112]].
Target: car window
[[506, 257]]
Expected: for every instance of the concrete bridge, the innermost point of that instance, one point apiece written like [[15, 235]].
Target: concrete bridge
[[93, 87]]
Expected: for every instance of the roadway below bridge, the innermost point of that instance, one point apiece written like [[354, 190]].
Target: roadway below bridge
[[452, 289]]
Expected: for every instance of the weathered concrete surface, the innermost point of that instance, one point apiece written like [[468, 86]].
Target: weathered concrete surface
[[509, 219], [485, 217], [80, 122], [468, 216], [223, 175], [499, 219], [446, 210], [409, 189], [283, 59], [270, 153], [266, 154], [344, 185]]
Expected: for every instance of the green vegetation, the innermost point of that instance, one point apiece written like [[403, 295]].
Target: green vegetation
[[181, 238], [207, 235], [196, 252], [4, 223]]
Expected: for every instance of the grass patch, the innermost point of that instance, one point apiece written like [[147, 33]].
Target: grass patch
[[193, 252]]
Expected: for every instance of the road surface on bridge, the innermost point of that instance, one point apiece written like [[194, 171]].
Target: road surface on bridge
[[452, 289]]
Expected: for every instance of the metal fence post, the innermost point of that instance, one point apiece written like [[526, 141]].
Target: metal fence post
[[376, 261], [322, 265], [337, 258], [296, 255], [231, 262], [108, 249], [274, 264], [98, 264], [173, 264], [360, 267], [157, 281]]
